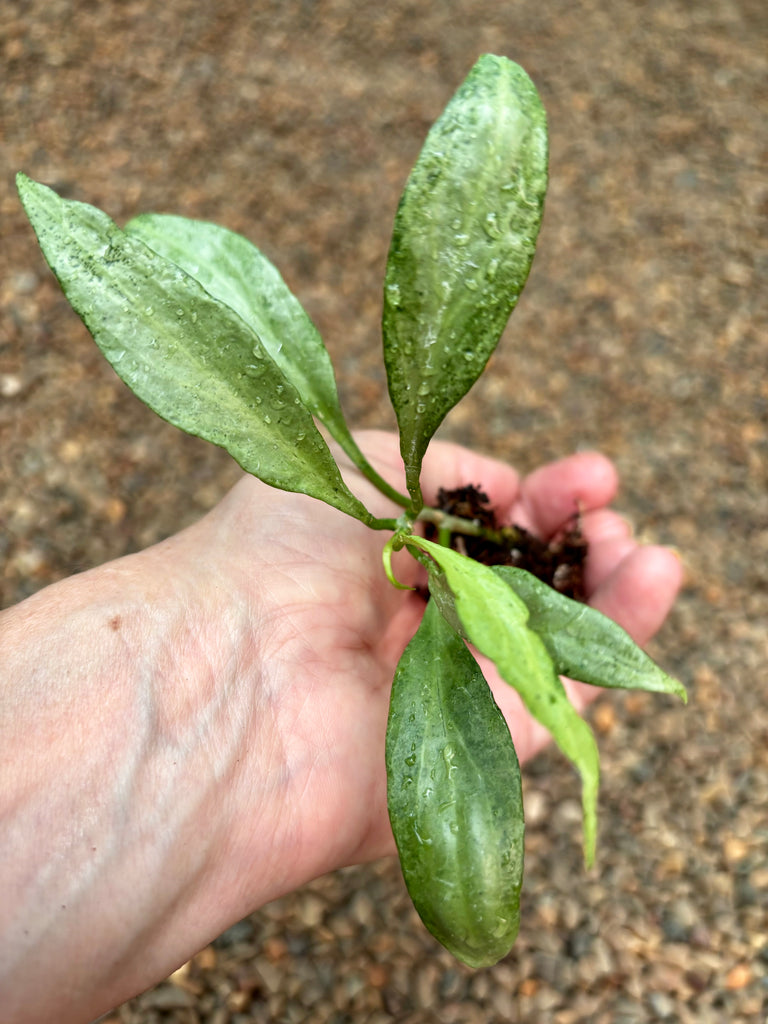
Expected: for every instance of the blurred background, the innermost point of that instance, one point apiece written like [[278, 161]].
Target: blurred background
[[642, 331]]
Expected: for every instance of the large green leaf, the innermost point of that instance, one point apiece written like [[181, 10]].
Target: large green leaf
[[495, 620], [234, 271], [454, 796], [462, 246], [583, 643], [186, 354]]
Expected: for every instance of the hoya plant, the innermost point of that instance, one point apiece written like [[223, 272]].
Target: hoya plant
[[202, 327]]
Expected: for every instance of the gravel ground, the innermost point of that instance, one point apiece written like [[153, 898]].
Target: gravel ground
[[643, 331]]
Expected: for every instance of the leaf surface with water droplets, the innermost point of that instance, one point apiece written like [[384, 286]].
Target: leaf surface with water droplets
[[462, 246], [234, 271], [454, 796], [495, 620], [583, 643], [186, 354]]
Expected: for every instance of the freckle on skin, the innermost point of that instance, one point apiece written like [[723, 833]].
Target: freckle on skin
[[114, 623]]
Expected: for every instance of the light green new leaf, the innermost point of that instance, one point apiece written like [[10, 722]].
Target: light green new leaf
[[583, 643], [462, 246], [494, 619], [186, 354], [454, 796]]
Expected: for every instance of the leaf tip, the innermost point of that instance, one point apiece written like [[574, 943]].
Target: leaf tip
[[24, 184]]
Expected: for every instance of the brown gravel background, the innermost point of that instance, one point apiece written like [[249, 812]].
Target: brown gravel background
[[642, 331]]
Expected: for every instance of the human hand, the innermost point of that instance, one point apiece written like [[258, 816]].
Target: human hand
[[199, 728], [332, 628]]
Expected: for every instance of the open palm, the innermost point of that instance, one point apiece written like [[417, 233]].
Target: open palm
[[332, 628], [199, 728]]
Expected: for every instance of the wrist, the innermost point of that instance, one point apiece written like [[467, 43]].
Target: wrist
[[117, 758]]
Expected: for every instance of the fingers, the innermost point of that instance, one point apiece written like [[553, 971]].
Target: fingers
[[640, 591], [610, 540], [553, 493], [635, 586], [541, 502], [445, 465], [450, 465], [638, 594]]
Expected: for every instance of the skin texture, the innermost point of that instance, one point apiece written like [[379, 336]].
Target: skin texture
[[194, 730]]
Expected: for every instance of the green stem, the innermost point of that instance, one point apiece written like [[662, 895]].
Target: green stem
[[347, 442], [382, 524], [422, 557], [447, 524], [444, 536], [416, 503]]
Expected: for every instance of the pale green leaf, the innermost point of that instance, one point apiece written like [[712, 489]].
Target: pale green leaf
[[185, 353], [234, 271]]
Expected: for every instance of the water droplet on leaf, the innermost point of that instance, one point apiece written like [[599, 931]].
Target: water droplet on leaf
[[491, 226]]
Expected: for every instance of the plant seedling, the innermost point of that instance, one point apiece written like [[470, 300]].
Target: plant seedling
[[201, 326]]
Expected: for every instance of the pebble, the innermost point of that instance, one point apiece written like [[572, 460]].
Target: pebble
[[11, 385], [166, 997], [311, 910], [739, 976], [242, 931], [24, 282], [678, 920], [536, 807], [425, 985]]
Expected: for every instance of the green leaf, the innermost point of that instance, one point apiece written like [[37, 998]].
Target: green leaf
[[186, 354], [454, 796], [495, 620], [233, 270], [585, 644], [462, 246]]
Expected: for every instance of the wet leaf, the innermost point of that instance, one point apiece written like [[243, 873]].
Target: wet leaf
[[183, 352], [495, 620], [462, 247], [233, 270], [583, 643], [454, 796]]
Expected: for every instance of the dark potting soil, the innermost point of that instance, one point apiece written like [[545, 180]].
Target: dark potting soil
[[558, 561]]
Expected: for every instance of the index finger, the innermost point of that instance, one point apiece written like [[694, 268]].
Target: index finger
[[449, 466]]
